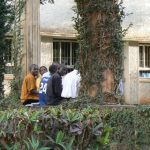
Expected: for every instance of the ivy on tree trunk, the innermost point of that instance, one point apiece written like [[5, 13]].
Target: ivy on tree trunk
[[98, 23]]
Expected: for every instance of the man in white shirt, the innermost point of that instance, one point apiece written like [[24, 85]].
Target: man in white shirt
[[71, 84]]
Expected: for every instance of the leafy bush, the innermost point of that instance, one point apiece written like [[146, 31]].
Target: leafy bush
[[90, 127], [53, 127]]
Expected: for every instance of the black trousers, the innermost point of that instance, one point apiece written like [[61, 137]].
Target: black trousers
[[30, 101], [55, 102]]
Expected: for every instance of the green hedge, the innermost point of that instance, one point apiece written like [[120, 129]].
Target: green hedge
[[84, 128], [52, 128]]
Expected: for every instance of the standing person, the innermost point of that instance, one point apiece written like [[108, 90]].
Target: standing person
[[42, 70], [71, 84], [43, 85], [29, 94], [54, 87]]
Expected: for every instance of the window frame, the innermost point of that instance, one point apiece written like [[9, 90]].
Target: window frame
[[9, 63], [144, 68], [60, 50]]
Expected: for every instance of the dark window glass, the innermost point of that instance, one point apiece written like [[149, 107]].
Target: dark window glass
[[141, 54], [75, 47], [56, 52], [65, 52], [147, 56]]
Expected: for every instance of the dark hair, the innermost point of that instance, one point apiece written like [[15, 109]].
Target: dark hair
[[57, 64], [33, 66], [53, 68], [42, 67], [62, 70]]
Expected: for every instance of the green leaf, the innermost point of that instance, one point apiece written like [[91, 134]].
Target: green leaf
[[44, 148], [69, 146], [59, 137], [97, 127]]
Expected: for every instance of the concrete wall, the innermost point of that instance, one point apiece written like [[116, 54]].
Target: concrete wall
[[57, 17], [144, 91], [31, 34], [7, 83], [126, 74], [136, 88], [46, 51], [133, 72], [131, 75], [140, 31]]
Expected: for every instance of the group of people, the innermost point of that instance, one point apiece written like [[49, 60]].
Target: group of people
[[49, 87]]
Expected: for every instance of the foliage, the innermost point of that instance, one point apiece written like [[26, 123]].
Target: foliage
[[53, 128], [34, 144], [130, 127], [89, 127], [8, 103], [7, 16], [17, 46], [100, 36], [44, 1]]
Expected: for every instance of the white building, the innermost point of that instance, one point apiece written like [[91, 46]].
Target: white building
[[57, 42]]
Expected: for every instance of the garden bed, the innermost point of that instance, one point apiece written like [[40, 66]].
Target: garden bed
[[75, 125]]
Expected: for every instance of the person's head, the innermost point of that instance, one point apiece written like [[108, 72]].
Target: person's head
[[57, 64], [62, 70], [42, 70], [34, 69], [53, 68]]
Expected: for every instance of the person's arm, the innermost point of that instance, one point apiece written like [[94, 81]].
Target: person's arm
[[32, 85], [34, 91]]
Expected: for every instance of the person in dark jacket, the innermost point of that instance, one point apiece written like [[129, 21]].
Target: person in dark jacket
[[54, 86]]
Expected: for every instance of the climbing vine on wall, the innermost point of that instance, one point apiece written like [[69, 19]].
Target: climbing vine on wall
[[17, 46], [98, 23], [46, 1]]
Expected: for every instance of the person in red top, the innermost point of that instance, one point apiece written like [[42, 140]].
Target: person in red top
[[29, 94]]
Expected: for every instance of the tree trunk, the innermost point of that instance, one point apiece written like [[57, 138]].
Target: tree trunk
[[100, 56]]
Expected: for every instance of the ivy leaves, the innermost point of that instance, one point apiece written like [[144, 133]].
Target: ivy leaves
[[101, 46]]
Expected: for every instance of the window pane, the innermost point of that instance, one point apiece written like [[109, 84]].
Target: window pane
[[75, 47], [141, 54], [56, 52], [65, 53], [145, 74], [7, 56], [147, 56]]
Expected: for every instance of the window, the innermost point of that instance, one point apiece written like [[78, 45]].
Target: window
[[65, 52], [8, 57], [144, 61]]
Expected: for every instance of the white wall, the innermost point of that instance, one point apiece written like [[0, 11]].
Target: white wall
[[46, 51], [133, 72], [57, 17], [140, 19], [126, 73], [144, 91]]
